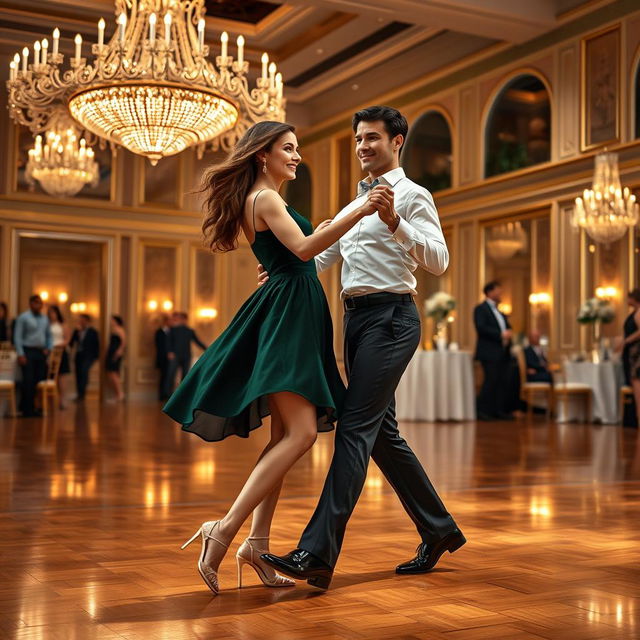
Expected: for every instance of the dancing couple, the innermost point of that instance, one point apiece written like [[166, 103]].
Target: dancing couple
[[276, 356]]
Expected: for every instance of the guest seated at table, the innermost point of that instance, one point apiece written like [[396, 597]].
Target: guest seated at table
[[537, 364]]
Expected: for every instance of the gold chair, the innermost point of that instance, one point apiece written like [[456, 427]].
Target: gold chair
[[48, 387], [8, 387], [529, 390]]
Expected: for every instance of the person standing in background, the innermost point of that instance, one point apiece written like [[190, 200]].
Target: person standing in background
[[113, 359], [87, 342], [493, 350], [60, 335], [180, 338], [4, 322], [161, 340], [33, 341], [631, 353]]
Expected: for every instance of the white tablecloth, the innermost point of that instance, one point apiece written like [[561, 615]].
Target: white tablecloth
[[605, 379], [437, 385]]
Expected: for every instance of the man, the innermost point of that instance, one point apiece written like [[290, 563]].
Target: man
[[382, 332], [493, 350], [33, 341], [536, 361], [87, 343], [161, 339], [180, 338]]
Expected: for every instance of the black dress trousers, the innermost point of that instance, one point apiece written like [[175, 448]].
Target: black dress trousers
[[379, 343]]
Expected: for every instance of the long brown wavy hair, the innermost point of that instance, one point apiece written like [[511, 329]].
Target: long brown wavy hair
[[226, 185]]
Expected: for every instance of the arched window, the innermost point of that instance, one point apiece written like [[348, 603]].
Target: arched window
[[298, 193], [427, 154], [518, 132]]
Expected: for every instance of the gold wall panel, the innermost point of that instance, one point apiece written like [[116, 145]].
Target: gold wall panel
[[203, 299], [566, 102], [163, 184], [468, 128]]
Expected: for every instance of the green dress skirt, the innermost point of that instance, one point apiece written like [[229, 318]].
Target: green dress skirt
[[281, 339]]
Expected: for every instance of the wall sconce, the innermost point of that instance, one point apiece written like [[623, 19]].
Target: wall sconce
[[207, 313], [63, 296], [540, 298], [606, 293], [506, 308], [44, 295], [152, 305], [167, 305], [78, 307]]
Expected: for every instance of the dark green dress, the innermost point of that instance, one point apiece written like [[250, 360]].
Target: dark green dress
[[281, 339]]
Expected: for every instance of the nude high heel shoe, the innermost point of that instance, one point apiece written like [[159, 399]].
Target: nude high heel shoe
[[249, 553], [209, 575]]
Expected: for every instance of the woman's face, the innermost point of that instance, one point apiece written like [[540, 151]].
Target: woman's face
[[284, 157], [51, 315]]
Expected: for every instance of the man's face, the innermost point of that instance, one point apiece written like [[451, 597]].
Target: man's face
[[534, 338], [496, 295], [374, 148], [36, 305]]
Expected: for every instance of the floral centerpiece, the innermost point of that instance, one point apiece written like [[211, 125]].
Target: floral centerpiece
[[439, 306], [596, 311]]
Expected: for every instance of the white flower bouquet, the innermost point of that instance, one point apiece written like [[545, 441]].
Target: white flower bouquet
[[595, 310], [439, 305]]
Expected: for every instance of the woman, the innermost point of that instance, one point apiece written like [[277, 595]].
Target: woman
[[113, 360], [276, 356], [60, 335], [631, 347]]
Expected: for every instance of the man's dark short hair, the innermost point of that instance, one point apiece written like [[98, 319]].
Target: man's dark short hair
[[34, 297], [394, 122], [86, 316], [490, 286]]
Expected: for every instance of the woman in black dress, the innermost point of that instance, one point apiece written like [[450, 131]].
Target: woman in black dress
[[631, 347], [113, 359]]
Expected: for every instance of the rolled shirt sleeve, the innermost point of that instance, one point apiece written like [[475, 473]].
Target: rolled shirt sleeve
[[328, 257], [419, 233], [18, 335]]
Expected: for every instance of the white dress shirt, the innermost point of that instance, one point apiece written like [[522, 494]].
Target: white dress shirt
[[499, 317], [375, 259]]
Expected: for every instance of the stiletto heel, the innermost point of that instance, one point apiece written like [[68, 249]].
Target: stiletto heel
[[209, 575], [248, 554]]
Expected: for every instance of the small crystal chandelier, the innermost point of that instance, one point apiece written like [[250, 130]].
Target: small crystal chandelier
[[505, 240], [606, 210], [151, 88], [62, 165]]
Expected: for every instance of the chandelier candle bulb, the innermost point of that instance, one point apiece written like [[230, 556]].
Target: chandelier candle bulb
[[25, 59], [265, 62], [122, 25], [45, 49], [200, 34], [101, 25], [279, 84], [12, 70], [152, 29], [224, 39], [167, 29], [36, 53], [78, 41], [240, 51], [56, 41], [272, 75]]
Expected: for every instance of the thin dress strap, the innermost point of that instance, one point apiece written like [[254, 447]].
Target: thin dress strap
[[254, 211]]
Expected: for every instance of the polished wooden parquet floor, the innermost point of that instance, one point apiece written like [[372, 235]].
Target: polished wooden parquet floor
[[95, 501]]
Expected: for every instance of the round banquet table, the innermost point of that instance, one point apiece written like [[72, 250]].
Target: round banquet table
[[437, 385]]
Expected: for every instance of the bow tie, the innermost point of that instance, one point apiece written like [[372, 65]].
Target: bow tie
[[364, 186]]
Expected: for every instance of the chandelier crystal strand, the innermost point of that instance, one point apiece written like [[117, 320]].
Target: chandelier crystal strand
[[505, 240], [150, 88], [606, 210], [64, 164]]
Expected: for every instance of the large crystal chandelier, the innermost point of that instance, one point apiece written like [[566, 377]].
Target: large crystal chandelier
[[63, 164], [505, 240], [606, 210], [150, 88]]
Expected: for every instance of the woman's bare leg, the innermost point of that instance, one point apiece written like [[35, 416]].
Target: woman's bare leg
[[300, 432]]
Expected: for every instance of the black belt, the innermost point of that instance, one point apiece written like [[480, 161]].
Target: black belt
[[373, 299]]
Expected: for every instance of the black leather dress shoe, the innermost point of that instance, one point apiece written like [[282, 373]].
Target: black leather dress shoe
[[427, 555], [301, 565]]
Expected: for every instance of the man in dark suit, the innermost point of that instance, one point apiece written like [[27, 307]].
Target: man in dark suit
[[162, 356], [537, 365], [180, 338], [87, 343], [493, 350]]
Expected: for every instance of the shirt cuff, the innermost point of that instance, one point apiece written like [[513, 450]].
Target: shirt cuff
[[403, 235]]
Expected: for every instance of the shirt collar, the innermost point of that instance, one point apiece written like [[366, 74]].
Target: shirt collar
[[491, 303], [391, 178]]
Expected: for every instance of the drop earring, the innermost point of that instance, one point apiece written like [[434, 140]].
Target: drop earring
[[264, 166]]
